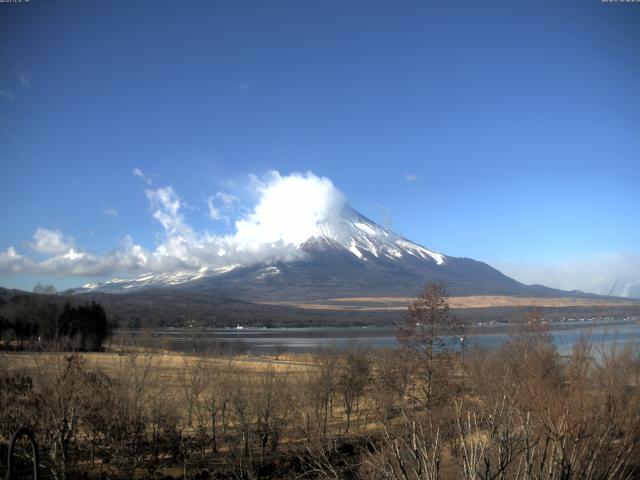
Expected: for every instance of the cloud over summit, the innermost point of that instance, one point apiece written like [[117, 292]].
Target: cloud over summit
[[286, 211]]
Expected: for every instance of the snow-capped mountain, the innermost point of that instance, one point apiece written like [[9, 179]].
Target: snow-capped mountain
[[348, 255], [367, 240]]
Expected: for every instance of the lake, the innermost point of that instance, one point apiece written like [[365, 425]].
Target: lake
[[303, 340]]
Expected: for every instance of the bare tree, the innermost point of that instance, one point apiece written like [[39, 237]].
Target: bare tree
[[390, 380], [273, 405], [407, 451], [353, 379], [192, 382], [324, 385], [241, 396], [44, 288], [423, 341], [64, 402], [216, 391]]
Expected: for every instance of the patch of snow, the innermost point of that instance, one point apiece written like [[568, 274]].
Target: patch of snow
[[349, 230], [268, 272], [201, 273], [394, 253], [145, 276], [418, 251], [438, 257], [365, 228], [369, 246], [353, 249], [226, 269]]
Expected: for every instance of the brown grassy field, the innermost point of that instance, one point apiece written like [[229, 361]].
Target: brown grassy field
[[167, 363], [477, 301], [138, 412]]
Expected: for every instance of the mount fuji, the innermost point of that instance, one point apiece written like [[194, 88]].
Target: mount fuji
[[346, 255]]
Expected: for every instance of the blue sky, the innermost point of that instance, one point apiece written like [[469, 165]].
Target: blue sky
[[504, 131]]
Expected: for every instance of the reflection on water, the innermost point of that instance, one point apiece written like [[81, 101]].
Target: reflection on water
[[264, 341]]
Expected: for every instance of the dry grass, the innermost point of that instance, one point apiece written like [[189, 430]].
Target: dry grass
[[167, 371], [285, 395], [168, 363], [477, 301]]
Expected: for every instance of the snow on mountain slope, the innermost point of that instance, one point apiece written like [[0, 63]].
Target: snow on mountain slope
[[350, 231], [151, 280], [345, 255], [364, 238], [302, 241]]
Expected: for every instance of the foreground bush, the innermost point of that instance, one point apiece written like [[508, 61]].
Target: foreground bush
[[520, 412]]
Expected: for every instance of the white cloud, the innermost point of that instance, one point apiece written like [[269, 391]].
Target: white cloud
[[288, 209], [145, 177], [245, 85], [13, 262], [285, 214], [110, 212], [8, 94], [181, 246], [165, 206], [221, 205], [411, 177], [24, 80], [227, 199], [214, 212], [51, 242], [595, 274]]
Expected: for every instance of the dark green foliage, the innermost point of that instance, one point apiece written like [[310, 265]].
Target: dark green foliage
[[85, 325], [41, 321]]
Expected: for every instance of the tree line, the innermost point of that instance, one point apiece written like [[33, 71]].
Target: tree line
[[45, 321]]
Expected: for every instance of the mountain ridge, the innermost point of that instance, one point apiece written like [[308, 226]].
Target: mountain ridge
[[346, 255]]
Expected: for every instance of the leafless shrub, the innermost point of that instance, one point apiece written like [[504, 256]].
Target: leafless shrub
[[408, 451], [390, 379], [548, 418], [353, 378]]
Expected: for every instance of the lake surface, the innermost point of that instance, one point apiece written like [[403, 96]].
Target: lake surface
[[301, 340]]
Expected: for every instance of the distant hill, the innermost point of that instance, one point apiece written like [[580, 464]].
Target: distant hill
[[179, 308], [166, 307]]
